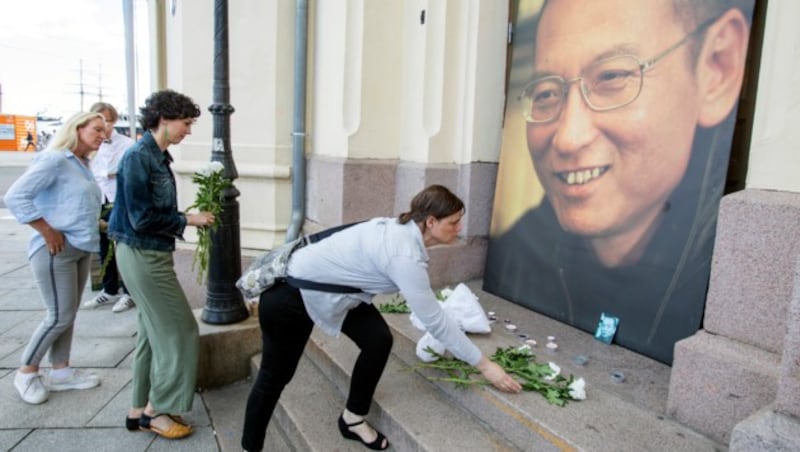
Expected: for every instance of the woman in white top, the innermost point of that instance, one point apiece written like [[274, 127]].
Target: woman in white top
[[382, 255]]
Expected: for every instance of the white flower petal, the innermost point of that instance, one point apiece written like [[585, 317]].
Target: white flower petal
[[555, 371], [577, 389]]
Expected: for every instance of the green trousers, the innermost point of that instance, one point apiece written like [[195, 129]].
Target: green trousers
[[165, 360]]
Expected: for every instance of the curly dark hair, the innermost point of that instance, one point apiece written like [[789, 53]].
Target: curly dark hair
[[167, 104]]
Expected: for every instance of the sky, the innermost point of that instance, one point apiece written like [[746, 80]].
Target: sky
[[51, 50]]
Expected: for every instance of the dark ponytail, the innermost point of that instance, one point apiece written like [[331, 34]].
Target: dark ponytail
[[436, 201]]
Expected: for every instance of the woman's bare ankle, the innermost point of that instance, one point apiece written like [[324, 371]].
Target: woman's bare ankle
[[363, 429], [350, 417]]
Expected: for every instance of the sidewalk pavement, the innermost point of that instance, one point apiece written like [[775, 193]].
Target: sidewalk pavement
[[103, 344], [16, 159]]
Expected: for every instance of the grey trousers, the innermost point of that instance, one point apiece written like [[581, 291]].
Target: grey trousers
[[167, 343], [61, 280]]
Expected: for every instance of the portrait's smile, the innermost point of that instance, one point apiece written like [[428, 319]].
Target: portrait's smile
[[581, 176]]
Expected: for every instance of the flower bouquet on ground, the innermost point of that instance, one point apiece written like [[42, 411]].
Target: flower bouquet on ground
[[398, 305], [521, 363], [211, 185]]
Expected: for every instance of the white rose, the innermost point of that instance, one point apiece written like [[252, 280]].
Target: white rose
[[577, 389], [525, 348], [554, 371], [210, 168]]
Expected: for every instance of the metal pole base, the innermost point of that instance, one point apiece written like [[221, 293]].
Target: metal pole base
[[222, 313]]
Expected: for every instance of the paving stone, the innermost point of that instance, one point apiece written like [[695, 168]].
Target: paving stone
[[11, 437], [21, 300], [226, 407], [64, 409], [11, 347]]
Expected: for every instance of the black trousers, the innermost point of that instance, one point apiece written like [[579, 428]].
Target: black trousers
[[111, 280], [285, 329]]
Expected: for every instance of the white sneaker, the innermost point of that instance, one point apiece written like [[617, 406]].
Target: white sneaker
[[30, 388], [125, 302], [102, 299], [76, 380]]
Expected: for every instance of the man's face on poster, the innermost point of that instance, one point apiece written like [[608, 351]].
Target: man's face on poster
[[608, 173]]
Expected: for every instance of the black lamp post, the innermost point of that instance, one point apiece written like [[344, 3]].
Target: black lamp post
[[224, 303]]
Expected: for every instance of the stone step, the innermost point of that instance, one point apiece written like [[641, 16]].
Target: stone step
[[226, 407], [308, 411], [412, 415], [407, 409], [617, 416], [310, 405], [419, 414]]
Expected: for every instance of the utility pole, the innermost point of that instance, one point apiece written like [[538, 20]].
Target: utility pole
[[99, 82], [85, 90], [81, 92]]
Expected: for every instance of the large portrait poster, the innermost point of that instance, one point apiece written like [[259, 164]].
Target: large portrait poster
[[618, 128]]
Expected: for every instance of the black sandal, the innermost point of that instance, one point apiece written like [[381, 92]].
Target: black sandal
[[132, 423], [344, 428]]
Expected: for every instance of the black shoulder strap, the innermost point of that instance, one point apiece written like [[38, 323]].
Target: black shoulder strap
[[321, 287], [313, 238], [298, 283]]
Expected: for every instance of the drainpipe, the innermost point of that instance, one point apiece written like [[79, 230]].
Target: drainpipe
[[130, 64], [299, 132], [158, 44]]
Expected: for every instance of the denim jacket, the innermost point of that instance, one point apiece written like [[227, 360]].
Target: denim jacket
[[145, 213]]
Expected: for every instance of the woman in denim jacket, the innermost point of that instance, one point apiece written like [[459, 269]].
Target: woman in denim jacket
[[58, 197], [144, 223]]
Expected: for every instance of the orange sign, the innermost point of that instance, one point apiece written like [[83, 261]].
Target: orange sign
[[17, 133]]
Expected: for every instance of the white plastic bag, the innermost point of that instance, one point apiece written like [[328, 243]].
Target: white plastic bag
[[463, 307], [428, 341]]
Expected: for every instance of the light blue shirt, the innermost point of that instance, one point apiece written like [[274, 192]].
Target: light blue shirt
[[379, 256], [60, 188]]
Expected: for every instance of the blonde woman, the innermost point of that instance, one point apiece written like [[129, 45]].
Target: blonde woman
[[58, 197]]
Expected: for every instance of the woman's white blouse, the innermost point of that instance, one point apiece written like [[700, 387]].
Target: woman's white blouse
[[379, 256]]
